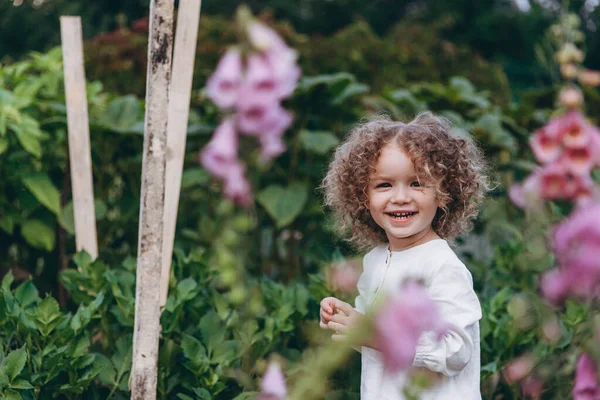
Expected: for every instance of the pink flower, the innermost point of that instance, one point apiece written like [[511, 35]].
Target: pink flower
[[224, 85], [545, 142], [532, 387], [273, 383], [264, 38], [344, 276], [400, 323], [576, 244], [237, 187], [579, 160], [271, 146], [577, 130], [519, 368], [285, 70], [555, 182], [220, 154], [260, 84], [263, 119], [586, 381]]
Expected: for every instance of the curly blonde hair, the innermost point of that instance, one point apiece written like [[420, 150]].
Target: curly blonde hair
[[454, 165]]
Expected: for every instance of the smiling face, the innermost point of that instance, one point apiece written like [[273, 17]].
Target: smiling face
[[401, 204]]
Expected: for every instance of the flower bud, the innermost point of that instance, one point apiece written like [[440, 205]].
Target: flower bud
[[569, 71], [570, 97], [588, 77], [569, 53]]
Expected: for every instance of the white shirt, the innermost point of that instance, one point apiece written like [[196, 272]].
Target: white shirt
[[450, 285]]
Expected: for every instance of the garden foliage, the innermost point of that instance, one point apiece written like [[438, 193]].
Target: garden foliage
[[245, 285]]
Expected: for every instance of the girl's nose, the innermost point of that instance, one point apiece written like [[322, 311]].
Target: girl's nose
[[401, 195]]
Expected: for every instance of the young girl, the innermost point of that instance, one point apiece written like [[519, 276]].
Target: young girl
[[402, 190]]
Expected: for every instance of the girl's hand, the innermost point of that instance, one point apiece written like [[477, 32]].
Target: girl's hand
[[344, 317], [327, 311]]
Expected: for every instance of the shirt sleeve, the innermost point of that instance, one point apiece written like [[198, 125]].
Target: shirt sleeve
[[360, 303], [452, 290]]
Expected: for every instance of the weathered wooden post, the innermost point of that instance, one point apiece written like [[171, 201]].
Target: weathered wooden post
[[147, 293], [179, 106], [79, 136]]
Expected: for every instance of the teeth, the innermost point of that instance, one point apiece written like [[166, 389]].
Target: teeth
[[401, 215]]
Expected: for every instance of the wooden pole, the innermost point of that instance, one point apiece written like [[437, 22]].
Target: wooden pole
[[184, 54], [79, 136], [147, 292]]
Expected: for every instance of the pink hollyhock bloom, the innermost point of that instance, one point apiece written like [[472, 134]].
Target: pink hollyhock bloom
[[271, 146], [273, 383], [260, 84], [576, 244], [577, 131], [519, 368], [264, 119], [532, 387], [555, 182], [285, 70], [264, 38], [344, 276], [579, 160], [221, 152], [400, 323], [545, 142], [224, 84], [586, 381], [237, 187], [526, 194]]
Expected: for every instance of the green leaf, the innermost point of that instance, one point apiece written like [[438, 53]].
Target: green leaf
[[122, 113], [38, 234], [194, 177], [309, 82], [318, 142], [3, 145], [202, 394], [7, 281], [44, 190], [353, 89], [213, 330], [27, 294], [48, 311], [193, 349], [185, 288], [283, 204], [491, 124], [82, 259], [14, 362], [21, 384], [7, 223]]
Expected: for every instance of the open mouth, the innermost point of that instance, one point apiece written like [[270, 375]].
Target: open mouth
[[402, 215]]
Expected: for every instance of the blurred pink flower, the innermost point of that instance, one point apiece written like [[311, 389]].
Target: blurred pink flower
[[220, 154], [264, 119], [586, 381], [519, 368], [555, 182], [285, 69], [400, 323], [344, 276], [260, 84], [576, 244], [545, 142], [264, 38], [224, 84], [273, 383], [532, 387], [237, 187], [579, 160], [576, 130], [271, 146]]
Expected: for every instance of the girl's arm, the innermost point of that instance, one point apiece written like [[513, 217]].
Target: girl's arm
[[452, 290]]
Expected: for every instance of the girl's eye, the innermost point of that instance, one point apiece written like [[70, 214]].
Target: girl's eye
[[415, 184], [382, 185]]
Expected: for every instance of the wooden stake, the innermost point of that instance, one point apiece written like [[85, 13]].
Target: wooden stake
[[79, 136], [184, 54], [147, 292]]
